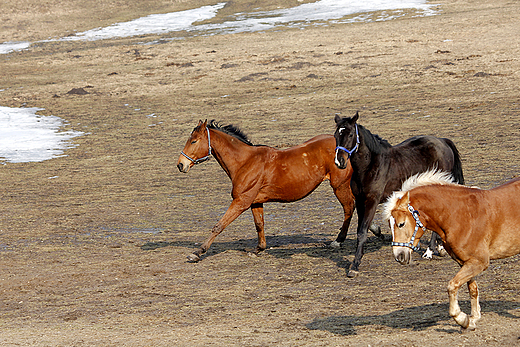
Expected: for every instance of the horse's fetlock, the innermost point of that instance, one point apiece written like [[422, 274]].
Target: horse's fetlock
[[462, 319]]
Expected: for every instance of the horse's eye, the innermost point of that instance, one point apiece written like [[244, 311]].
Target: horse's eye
[[400, 225], [192, 142]]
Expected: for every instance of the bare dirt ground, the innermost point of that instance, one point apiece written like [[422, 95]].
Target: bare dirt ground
[[93, 244]]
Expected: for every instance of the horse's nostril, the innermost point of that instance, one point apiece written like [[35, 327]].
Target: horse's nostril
[[180, 167]]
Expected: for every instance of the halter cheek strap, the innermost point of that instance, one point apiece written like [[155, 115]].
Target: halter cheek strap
[[418, 224], [200, 160], [353, 150]]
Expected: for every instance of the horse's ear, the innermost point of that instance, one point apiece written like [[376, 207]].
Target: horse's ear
[[405, 200], [337, 119], [356, 117], [205, 123]]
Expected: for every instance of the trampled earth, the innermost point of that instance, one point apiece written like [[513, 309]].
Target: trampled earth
[[94, 244]]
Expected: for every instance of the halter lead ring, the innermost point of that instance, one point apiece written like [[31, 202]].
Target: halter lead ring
[[353, 150], [200, 160], [418, 224]]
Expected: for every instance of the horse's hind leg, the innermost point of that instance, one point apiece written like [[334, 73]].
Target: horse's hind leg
[[258, 216], [475, 306], [235, 209], [346, 198], [376, 230]]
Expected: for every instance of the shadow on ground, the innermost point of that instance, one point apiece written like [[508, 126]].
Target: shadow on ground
[[282, 247], [425, 316]]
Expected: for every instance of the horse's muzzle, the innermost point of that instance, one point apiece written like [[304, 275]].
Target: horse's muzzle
[[402, 255], [340, 160], [183, 167]]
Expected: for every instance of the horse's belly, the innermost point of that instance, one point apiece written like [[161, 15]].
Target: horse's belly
[[286, 192], [507, 244]]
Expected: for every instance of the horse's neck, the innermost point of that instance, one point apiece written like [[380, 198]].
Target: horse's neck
[[230, 152], [360, 160], [431, 202]]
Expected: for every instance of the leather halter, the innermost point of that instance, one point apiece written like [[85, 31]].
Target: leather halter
[[353, 150], [418, 224], [200, 160]]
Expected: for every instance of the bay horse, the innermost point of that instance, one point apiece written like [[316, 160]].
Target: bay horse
[[475, 225], [379, 169], [261, 174]]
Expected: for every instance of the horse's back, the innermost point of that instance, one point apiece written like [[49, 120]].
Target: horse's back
[[425, 152], [318, 149]]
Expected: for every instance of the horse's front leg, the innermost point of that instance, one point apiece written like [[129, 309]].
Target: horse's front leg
[[366, 212], [258, 216], [465, 275], [235, 209]]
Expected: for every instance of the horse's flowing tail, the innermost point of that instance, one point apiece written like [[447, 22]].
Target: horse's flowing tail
[[456, 171]]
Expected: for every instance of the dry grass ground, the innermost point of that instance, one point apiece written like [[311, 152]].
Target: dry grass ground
[[93, 244]]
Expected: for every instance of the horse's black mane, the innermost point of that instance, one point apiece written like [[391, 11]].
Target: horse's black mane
[[374, 142], [230, 130]]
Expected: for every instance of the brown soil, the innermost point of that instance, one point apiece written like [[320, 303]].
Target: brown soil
[[93, 244]]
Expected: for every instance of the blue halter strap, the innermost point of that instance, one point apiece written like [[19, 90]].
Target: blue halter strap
[[200, 160], [418, 224], [353, 150]]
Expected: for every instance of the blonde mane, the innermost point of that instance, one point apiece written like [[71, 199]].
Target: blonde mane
[[431, 177]]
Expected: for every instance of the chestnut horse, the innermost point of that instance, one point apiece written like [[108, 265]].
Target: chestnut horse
[[379, 169], [475, 225], [262, 174]]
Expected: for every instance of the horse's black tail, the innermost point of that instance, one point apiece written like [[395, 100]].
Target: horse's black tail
[[456, 171]]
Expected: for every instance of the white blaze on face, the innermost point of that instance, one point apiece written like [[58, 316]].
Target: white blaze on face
[[392, 222], [336, 157], [336, 160], [399, 251]]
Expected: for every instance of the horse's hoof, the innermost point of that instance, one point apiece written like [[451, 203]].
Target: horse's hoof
[[442, 251], [335, 244], [428, 254], [193, 258], [352, 273]]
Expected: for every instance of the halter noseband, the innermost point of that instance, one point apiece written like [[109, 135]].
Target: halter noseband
[[418, 224], [353, 150], [200, 160]]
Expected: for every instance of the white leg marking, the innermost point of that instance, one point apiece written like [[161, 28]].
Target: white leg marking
[[428, 254]]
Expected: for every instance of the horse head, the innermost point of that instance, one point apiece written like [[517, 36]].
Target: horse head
[[407, 229], [347, 139], [197, 148]]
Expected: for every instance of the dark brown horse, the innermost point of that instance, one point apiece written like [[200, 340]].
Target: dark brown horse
[[475, 225], [262, 174], [379, 168]]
